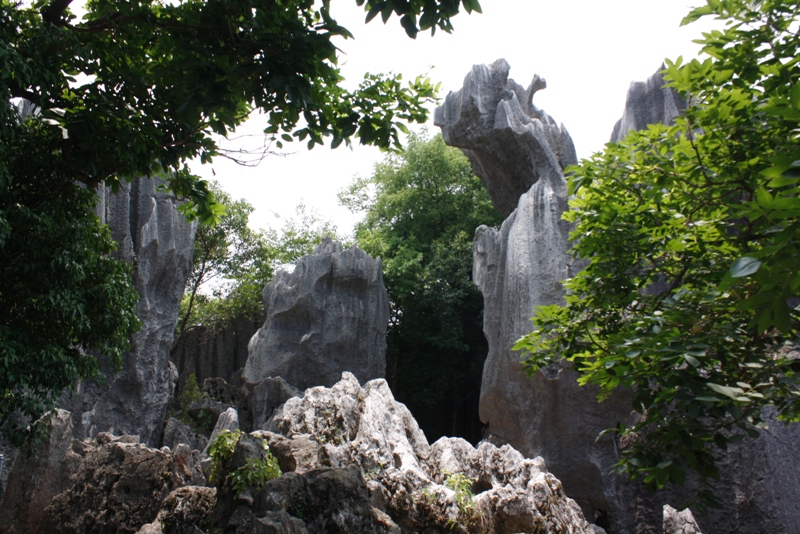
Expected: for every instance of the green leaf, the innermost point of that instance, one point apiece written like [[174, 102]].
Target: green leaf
[[744, 266], [795, 97], [733, 393]]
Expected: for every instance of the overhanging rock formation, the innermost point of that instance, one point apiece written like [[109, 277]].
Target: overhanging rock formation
[[510, 143], [327, 316]]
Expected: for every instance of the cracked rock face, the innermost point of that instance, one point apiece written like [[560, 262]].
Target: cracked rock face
[[327, 316], [158, 241], [510, 143]]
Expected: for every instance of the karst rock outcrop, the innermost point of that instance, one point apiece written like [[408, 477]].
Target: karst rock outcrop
[[158, 241], [510, 143], [327, 316], [648, 102], [353, 460], [520, 266], [358, 462], [103, 484]]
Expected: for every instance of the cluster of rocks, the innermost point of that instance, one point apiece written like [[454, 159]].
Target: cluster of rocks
[[354, 460]]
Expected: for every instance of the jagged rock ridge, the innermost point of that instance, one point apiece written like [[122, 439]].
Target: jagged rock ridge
[[354, 460], [510, 143]]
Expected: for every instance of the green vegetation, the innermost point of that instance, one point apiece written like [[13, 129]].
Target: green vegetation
[[254, 474], [63, 298], [232, 263], [461, 484], [220, 451], [422, 208], [690, 231], [468, 519], [138, 88]]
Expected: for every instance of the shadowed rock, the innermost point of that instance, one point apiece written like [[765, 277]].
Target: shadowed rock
[[327, 316], [158, 240]]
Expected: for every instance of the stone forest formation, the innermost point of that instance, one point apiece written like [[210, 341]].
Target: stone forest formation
[[305, 388]]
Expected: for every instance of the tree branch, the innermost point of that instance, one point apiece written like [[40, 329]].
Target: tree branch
[[53, 12]]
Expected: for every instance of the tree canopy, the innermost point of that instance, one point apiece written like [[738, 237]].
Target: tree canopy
[[690, 233], [139, 88], [422, 208]]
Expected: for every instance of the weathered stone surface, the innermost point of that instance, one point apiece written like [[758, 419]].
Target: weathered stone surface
[[159, 242], [648, 103], [682, 522], [520, 266], [34, 481], [214, 352], [108, 484], [510, 143], [327, 316], [185, 511], [268, 395], [177, 432], [760, 485], [365, 427]]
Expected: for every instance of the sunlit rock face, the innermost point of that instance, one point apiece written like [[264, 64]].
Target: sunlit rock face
[[159, 242], [327, 316], [510, 143], [520, 153], [648, 103]]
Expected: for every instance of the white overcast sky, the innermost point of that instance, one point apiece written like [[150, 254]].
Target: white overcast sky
[[588, 51]]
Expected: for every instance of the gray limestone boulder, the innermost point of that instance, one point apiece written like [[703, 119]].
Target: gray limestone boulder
[[177, 432], [327, 316], [682, 522], [268, 395], [184, 511], [648, 102], [510, 143], [158, 240]]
